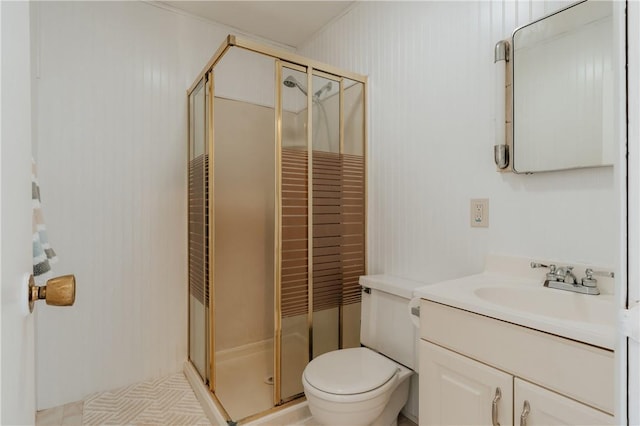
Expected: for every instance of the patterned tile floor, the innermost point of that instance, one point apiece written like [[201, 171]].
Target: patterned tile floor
[[165, 401]]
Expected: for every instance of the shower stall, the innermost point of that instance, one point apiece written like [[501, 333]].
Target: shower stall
[[277, 221]]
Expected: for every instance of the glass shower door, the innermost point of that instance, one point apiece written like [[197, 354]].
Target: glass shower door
[[353, 244], [327, 215], [322, 219], [198, 232], [294, 271], [244, 200], [338, 211]]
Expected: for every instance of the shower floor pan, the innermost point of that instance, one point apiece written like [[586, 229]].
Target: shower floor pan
[[244, 375]]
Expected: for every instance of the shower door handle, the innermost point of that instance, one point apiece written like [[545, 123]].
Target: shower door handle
[[59, 291]]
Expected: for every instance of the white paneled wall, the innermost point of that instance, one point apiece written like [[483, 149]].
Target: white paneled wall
[[431, 106], [111, 125]]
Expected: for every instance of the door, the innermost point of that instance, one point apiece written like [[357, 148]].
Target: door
[[543, 407], [456, 390], [292, 304], [17, 403], [628, 289]]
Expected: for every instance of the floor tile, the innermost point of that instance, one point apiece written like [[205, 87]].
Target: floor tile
[[75, 420], [165, 401], [73, 409], [51, 416]]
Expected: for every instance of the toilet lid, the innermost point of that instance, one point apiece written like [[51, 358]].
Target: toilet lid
[[349, 371]]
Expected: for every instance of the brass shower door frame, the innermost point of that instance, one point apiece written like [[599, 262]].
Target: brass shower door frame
[[311, 68]]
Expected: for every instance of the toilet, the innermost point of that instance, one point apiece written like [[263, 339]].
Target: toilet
[[368, 385]]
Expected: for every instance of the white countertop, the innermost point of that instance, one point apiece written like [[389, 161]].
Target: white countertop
[[524, 301]]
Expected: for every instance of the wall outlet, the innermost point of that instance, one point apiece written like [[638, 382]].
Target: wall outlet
[[480, 213]]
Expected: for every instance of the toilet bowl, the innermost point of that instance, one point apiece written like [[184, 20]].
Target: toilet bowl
[[368, 385], [356, 387]]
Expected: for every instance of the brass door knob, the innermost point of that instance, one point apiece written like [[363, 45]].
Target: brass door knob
[[59, 291]]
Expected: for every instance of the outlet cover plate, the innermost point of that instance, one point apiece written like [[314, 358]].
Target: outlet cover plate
[[479, 213]]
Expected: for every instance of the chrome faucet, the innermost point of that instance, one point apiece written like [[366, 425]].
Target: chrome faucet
[[565, 275], [562, 278]]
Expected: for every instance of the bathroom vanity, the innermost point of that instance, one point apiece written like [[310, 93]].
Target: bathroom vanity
[[499, 348]]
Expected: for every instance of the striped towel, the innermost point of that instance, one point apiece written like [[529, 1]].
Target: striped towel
[[43, 254]]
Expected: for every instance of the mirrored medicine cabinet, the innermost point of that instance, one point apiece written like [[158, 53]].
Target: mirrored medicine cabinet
[[563, 90]]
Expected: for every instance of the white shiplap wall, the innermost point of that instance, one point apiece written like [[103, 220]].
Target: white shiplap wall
[[111, 125], [430, 68]]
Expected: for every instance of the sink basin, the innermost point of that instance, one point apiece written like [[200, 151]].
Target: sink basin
[[551, 303]]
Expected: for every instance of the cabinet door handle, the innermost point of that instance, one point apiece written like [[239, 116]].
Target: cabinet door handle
[[494, 407], [526, 409]]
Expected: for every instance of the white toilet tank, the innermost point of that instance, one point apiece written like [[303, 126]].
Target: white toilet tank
[[385, 324]]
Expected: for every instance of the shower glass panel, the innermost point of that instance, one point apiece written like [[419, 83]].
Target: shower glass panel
[[327, 215], [244, 197], [294, 247], [353, 208], [198, 232]]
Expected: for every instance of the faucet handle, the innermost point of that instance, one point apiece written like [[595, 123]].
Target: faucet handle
[[589, 281], [551, 266], [591, 273], [551, 275]]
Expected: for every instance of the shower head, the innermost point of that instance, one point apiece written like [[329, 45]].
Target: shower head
[[326, 87], [292, 82]]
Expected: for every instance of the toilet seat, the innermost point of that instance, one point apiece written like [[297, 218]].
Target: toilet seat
[[349, 371]]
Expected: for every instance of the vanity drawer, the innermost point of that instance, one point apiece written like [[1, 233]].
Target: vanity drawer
[[543, 407], [578, 370]]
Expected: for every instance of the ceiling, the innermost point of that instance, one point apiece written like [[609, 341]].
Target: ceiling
[[286, 22]]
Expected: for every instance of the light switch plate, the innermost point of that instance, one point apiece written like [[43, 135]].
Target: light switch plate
[[479, 213]]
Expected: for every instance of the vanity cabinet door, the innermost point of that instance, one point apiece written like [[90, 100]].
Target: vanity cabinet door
[[549, 408], [456, 390]]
